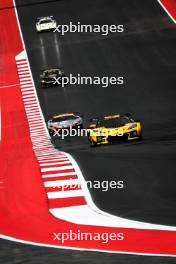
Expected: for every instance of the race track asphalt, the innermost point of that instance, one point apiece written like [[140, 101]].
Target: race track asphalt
[[145, 55]]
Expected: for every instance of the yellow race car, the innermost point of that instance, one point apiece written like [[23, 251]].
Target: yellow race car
[[113, 128]]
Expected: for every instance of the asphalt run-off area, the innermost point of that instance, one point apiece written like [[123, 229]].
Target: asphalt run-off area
[[60, 199]]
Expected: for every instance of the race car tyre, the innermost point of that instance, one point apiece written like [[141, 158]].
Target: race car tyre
[[125, 137], [92, 143]]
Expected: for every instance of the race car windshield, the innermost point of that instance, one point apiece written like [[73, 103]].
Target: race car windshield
[[115, 122], [48, 73], [64, 118], [45, 21]]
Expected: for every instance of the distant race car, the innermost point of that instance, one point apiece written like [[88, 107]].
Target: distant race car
[[45, 23], [64, 121], [113, 128], [51, 77]]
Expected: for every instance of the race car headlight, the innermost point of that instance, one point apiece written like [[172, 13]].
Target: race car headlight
[[99, 139], [79, 122], [50, 124], [132, 126]]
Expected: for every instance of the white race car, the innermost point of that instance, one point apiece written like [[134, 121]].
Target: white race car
[[46, 23], [66, 121]]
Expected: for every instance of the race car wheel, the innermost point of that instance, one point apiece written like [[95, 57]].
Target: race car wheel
[[51, 133], [125, 137], [80, 126], [141, 137], [92, 143]]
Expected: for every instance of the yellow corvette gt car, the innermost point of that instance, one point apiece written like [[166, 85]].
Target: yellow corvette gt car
[[114, 128]]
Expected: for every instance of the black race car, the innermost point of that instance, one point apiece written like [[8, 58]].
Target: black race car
[[52, 77]]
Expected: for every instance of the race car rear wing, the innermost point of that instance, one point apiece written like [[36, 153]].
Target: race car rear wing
[[38, 18]]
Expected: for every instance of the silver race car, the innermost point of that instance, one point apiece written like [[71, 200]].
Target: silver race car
[[45, 23], [64, 121]]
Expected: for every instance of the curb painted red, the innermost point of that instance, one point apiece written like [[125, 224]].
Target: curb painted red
[[23, 201], [170, 7]]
